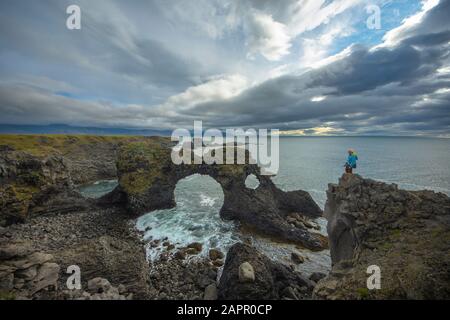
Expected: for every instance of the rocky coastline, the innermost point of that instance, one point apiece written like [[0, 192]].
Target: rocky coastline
[[46, 225]]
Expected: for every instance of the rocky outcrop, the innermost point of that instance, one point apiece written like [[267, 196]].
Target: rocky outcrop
[[248, 274], [30, 185], [37, 173], [88, 158], [405, 233], [25, 272], [148, 177]]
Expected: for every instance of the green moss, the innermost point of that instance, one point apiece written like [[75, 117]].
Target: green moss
[[44, 145], [32, 178], [386, 245], [232, 169], [7, 295], [141, 163], [136, 182], [363, 293]]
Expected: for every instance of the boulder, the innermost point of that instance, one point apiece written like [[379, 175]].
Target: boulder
[[180, 255], [197, 246], [246, 272], [47, 275], [98, 285], [215, 254], [210, 292]]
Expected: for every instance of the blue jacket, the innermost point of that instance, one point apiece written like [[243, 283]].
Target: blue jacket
[[351, 160]]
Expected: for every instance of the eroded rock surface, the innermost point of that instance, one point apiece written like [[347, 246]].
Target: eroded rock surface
[[29, 185], [38, 172], [148, 177], [405, 233]]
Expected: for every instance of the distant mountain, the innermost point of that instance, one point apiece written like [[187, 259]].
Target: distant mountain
[[67, 129]]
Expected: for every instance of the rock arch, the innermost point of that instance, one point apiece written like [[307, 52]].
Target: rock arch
[[148, 177]]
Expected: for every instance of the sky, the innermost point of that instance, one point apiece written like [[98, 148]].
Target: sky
[[306, 67]]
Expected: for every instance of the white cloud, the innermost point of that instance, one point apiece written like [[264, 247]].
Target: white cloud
[[216, 89], [315, 64], [267, 36], [308, 15], [394, 36], [272, 35], [318, 98]]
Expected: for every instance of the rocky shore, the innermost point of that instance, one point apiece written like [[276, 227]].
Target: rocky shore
[[102, 243], [47, 226]]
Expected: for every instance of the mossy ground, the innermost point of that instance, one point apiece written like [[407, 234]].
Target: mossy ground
[[4, 295], [141, 163], [58, 144]]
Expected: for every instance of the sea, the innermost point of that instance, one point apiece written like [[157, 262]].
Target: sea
[[307, 163]]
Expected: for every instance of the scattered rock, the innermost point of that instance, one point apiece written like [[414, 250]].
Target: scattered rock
[[210, 292], [215, 254], [289, 292], [191, 251], [218, 263], [98, 285], [297, 258], [180, 255], [196, 246]]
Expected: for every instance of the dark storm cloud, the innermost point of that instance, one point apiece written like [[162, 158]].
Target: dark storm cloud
[[366, 70]]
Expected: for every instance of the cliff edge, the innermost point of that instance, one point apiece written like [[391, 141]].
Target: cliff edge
[[405, 233]]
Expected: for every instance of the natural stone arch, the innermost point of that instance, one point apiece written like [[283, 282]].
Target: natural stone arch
[[148, 177], [200, 186]]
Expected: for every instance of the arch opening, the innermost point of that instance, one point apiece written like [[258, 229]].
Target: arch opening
[[195, 218], [97, 189], [252, 182]]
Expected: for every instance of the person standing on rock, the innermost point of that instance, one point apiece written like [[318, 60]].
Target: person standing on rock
[[351, 161]]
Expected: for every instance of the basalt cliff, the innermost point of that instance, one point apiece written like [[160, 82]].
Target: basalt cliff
[[406, 234]]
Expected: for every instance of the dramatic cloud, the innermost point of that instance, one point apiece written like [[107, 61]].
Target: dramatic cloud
[[305, 67], [267, 36]]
